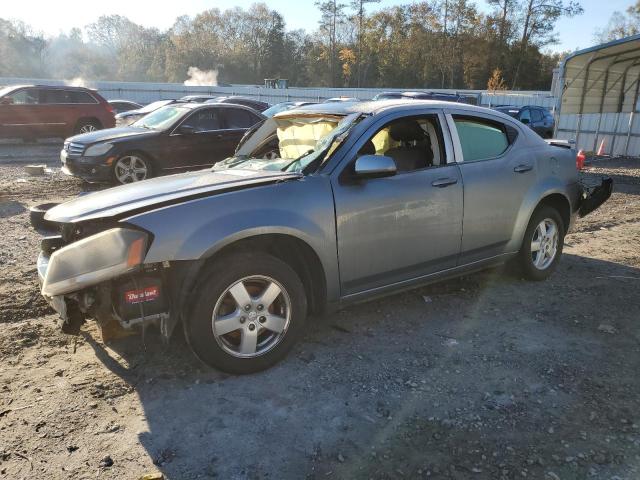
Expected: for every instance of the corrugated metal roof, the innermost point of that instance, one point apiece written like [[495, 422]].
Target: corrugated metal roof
[[602, 78]]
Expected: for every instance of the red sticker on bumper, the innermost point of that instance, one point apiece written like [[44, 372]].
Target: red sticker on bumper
[[146, 294]]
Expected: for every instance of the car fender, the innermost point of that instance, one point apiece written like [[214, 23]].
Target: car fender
[[533, 198], [197, 229]]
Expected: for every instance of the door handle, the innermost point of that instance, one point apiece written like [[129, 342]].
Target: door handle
[[523, 168], [444, 182]]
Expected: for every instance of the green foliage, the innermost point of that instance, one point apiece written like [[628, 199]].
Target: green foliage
[[434, 43]]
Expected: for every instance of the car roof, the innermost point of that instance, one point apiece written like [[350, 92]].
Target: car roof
[[54, 87], [196, 106], [375, 107], [199, 96], [240, 97]]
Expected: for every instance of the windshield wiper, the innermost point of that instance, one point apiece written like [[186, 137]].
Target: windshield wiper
[[308, 152]]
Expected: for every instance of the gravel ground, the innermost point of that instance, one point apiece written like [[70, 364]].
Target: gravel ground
[[485, 377]]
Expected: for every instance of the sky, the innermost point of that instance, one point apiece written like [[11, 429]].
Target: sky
[[51, 17]]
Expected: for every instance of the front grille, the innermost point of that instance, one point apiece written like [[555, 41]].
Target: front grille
[[74, 149]]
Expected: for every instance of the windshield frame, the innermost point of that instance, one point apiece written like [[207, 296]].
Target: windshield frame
[[139, 123], [143, 109], [343, 128]]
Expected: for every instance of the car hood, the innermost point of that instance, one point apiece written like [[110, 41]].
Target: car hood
[[130, 113], [127, 200], [112, 134]]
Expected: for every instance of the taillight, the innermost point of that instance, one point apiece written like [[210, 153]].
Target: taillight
[[110, 109], [580, 159]]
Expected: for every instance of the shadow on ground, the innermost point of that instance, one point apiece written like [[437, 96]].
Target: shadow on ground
[[486, 375]]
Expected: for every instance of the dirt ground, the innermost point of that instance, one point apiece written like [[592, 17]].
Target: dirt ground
[[484, 377]]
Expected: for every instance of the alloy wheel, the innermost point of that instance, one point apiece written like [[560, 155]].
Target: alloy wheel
[[131, 169], [89, 127], [251, 316], [544, 244]]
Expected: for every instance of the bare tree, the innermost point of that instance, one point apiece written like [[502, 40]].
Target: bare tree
[[332, 17], [358, 6], [540, 17]]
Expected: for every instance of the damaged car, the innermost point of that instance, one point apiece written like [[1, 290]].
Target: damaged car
[[320, 206]]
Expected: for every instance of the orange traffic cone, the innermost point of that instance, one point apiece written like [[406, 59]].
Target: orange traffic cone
[[601, 149]]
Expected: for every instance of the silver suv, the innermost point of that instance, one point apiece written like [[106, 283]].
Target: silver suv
[[321, 206]]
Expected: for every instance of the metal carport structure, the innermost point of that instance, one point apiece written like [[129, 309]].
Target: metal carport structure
[[598, 97]]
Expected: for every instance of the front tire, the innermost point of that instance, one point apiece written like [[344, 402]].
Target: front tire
[[250, 309], [132, 167], [542, 245]]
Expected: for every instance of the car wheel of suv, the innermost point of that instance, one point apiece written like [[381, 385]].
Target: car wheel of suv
[[131, 168], [542, 245], [86, 126], [250, 309]]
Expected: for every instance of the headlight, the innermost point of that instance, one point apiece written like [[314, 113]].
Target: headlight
[[99, 149], [94, 259]]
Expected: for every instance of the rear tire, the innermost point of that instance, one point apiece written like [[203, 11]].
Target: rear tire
[[250, 309], [86, 126], [542, 244]]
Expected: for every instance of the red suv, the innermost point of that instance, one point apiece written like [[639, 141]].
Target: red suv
[[32, 111]]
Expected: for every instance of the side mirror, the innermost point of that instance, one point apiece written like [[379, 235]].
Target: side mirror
[[6, 101], [526, 121], [374, 166], [186, 130]]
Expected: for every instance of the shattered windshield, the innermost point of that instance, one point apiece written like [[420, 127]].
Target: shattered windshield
[[291, 143]]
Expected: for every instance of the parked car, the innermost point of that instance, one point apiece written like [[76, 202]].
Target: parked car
[[539, 119], [120, 106], [172, 138], [127, 118], [198, 98], [364, 200], [257, 105], [281, 107], [35, 111]]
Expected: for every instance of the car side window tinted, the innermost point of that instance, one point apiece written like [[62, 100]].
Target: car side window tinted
[[525, 115], [536, 115], [204, 120], [80, 97], [481, 139], [27, 96], [238, 118], [414, 143], [54, 96]]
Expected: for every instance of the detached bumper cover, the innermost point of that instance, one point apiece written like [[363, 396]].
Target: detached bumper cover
[[595, 195]]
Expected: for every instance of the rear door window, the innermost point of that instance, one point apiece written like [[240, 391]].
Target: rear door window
[[481, 139], [204, 120], [239, 118], [53, 96]]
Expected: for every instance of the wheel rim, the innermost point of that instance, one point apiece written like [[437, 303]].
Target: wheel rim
[[251, 316], [544, 244], [88, 128], [131, 169]]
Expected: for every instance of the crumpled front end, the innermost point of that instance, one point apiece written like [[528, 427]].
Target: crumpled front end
[[100, 274]]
